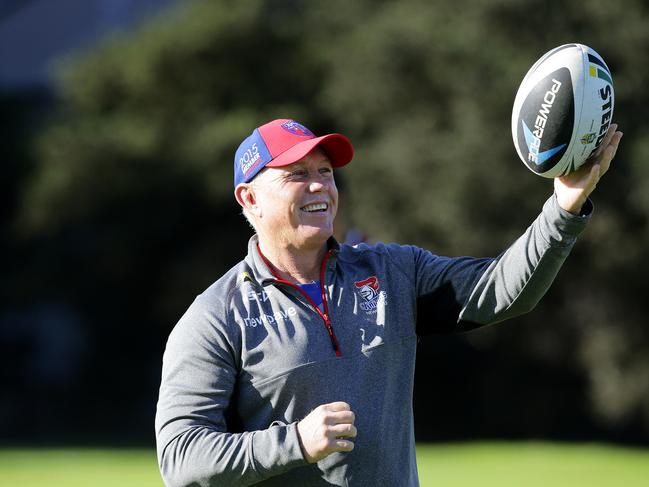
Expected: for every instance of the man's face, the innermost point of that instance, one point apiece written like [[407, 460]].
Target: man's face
[[298, 203]]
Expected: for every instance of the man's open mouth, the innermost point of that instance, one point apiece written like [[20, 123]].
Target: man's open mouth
[[315, 207]]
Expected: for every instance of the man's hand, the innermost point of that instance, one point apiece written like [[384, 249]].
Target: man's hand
[[326, 430], [573, 189]]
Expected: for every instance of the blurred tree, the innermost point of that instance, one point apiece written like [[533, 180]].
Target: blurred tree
[[130, 212], [438, 169]]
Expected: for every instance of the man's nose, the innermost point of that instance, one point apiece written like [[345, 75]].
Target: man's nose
[[317, 184]]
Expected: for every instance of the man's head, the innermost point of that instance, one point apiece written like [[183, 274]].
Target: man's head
[[285, 185]]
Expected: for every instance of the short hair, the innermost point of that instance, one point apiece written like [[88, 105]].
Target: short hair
[[247, 215], [249, 219]]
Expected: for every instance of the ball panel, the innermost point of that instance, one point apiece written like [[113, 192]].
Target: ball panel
[[546, 119], [597, 115]]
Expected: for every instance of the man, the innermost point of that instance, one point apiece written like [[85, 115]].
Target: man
[[296, 367]]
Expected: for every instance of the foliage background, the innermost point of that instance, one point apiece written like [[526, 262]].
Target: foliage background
[[117, 205]]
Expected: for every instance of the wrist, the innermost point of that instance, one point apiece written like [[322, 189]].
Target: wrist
[[308, 458], [579, 207], [571, 205]]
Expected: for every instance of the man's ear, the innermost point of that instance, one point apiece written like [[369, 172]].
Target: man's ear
[[247, 198]]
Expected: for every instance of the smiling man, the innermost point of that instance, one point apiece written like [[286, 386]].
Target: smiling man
[[296, 367]]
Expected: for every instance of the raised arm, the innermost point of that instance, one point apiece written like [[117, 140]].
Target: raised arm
[[519, 278], [465, 293]]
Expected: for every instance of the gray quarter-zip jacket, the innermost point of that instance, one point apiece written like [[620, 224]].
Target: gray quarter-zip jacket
[[252, 356]]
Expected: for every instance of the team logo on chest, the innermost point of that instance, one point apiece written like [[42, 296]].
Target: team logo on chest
[[370, 292]]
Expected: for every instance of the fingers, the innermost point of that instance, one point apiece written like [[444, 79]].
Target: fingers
[[336, 406], [342, 431], [607, 139], [609, 151], [573, 189], [328, 428], [338, 420], [341, 417], [338, 412], [609, 134], [338, 435], [342, 445]]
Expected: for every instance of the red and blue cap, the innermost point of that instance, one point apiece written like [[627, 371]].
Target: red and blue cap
[[283, 142]]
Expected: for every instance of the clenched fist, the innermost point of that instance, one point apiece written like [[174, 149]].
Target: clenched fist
[[327, 429]]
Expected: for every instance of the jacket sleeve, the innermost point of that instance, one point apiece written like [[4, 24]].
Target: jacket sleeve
[[515, 282], [199, 376], [463, 293]]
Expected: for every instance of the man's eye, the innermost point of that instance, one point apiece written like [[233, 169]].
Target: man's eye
[[326, 170], [298, 174]]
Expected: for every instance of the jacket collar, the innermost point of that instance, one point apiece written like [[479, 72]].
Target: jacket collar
[[261, 271]]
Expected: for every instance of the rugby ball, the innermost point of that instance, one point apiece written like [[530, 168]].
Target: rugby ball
[[562, 110]]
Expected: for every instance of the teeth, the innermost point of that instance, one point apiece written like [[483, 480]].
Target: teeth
[[315, 207]]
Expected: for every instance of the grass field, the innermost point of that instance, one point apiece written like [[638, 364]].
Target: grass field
[[467, 464], [532, 465]]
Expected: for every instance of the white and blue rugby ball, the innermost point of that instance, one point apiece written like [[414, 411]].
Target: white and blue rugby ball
[[562, 110]]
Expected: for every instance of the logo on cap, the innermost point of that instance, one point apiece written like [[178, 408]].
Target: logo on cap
[[296, 128], [249, 159]]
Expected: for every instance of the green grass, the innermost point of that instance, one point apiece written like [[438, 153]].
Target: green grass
[[79, 467], [532, 464], [466, 464]]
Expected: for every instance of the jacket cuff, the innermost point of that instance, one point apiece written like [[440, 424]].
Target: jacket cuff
[[565, 223], [277, 449]]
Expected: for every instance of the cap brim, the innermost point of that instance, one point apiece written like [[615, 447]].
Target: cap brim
[[339, 149]]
